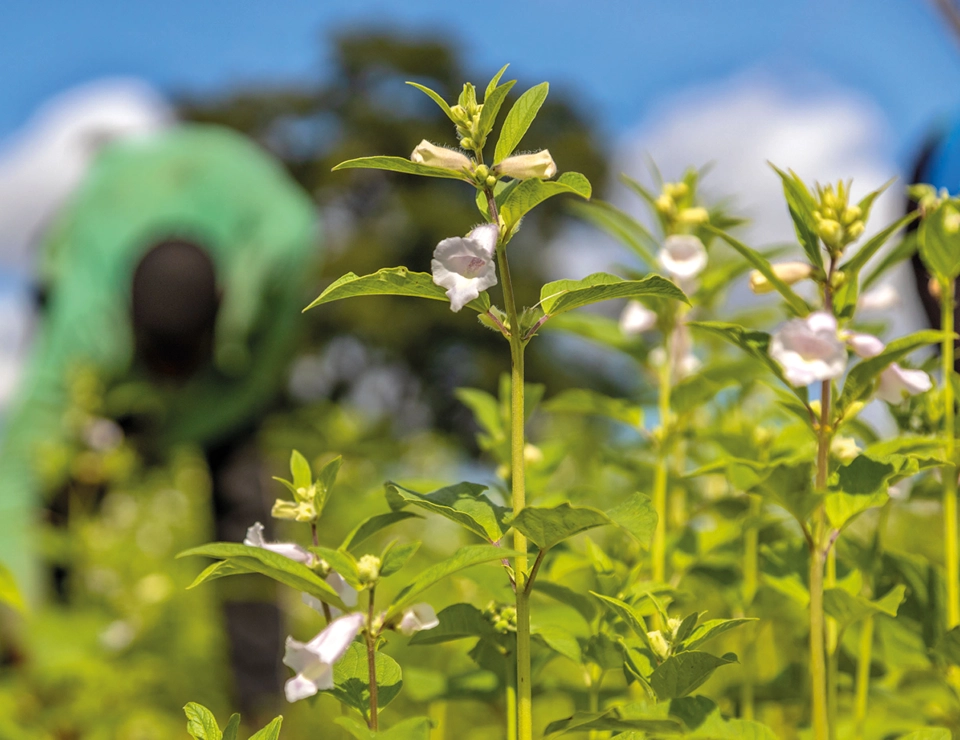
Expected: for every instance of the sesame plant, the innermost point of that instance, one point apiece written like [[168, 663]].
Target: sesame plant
[[770, 491]]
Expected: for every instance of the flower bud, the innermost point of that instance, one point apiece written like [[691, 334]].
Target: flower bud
[[526, 166], [490, 181], [850, 214], [368, 569], [828, 212], [459, 113], [845, 449], [694, 216], [854, 230], [829, 231], [439, 156], [482, 172], [665, 205], [659, 644], [788, 272], [467, 143], [676, 190]]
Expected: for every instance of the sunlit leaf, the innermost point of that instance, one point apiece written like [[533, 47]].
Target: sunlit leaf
[[463, 503], [400, 164], [680, 674], [351, 678], [565, 295], [548, 526], [518, 120]]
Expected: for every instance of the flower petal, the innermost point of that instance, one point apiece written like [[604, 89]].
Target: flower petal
[[330, 645], [683, 256], [896, 383], [809, 349], [637, 319], [418, 617], [486, 235]]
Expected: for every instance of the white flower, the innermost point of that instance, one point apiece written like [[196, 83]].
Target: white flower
[[313, 661], [809, 349], [896, 383], [788, 272], [290, 550], [417, 617], [636, 319], [439, 156], [864, 345], [465, 266], [683, 256], [879, 299], [526, 166], [346, 592]]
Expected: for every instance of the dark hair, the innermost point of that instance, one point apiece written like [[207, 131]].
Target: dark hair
[[174, 303]]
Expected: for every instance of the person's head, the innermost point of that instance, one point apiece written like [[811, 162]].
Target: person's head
[[174, 303]]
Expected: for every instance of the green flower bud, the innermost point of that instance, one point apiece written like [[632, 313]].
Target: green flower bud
[[490, 181], [829, 231], [467, 143], [850, 214], [694, 216], [659, 644], [481, 172], [665, 205], [854, 230], [459, 114], [828, 212], [368, 569], [676, 190]]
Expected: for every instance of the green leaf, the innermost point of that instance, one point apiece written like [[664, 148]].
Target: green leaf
[[300, 470], [231, 731], [627, 613], [257, 560], [457, 622], [494, 82], [948, 646], [860, 380], [680, 674], [373, 524], [863, 474], [929, 733], [761, 264], [391, 281], [531, 193], [856, 263], [518, 120], [396, 557], [842, 508], [328, 475], [270, 732], [546, 527], [801, 205], [568, 596], [565, 295], [351, 679], [692, 710], [465, 557], [201, 724], [463, 503], [559, 640], [492, 103], [412, 728], [939, 241], [401, 164], [435, 97], [712, 628], [611, 720], [621, 226], [342, 562], [637, 516], [847, 608], [583, 401], [9, 593]]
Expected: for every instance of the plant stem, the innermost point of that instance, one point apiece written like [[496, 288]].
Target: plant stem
[[661, 475], [818, 668], [832, 645], [951, 550], [373, 722], [517, 447], [863, 676], [511, 700], [750, 580]]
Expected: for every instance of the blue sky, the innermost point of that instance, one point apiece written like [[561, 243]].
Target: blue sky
[[625, 56]]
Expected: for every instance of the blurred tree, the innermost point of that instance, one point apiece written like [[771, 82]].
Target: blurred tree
[[371, 219]]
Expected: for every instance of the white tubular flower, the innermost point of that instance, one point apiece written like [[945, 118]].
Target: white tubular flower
[[290, 550], [864, 345], [809, 349], [683, 256], [465, 266], [439, 156], [896, 383], [879, 299], [527, 166], [346, 592], [313, 661], [789, 272], [637, 319], [418, 617]]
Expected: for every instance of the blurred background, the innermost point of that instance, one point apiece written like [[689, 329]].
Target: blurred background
[[103, 99]]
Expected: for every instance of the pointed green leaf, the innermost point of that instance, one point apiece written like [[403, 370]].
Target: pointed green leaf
[[435, 97], [637, 516], [761, 264], [939, 241], [494, 82], [457, 622], [371, 525], [492, 102], [863, 255], [559, 640], [587, 402], [565, 295], [270, 732], [860, 380], [394, 558], [712, 628], [201, 724], [463, 558], [801, 205], [231, 731], [546, 527], [341, 561], [277, 567], [463, 503], [611, 720], [401, 164], [300, 470], [583, 604], [328, 475], [518, 120], [620, 226], [681, 674], [531, 193], [391, 281], [627, 613], [351, 678], [847, 608], [842, 508]]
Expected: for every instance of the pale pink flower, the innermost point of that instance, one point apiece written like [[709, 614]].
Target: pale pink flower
[[809, 349]]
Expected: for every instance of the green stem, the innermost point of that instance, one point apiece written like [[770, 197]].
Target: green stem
[[661, 475], [863, 676], [818, 668], [517, 446], [951, 549], [373, 721], [833, 647], [511, 701], [750, 581]]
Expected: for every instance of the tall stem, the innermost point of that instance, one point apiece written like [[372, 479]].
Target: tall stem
[[517, 445], [661, 475], [951, 549], [373, 722], [833, 647], [864, 656], [750, 580], [511, 700]]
